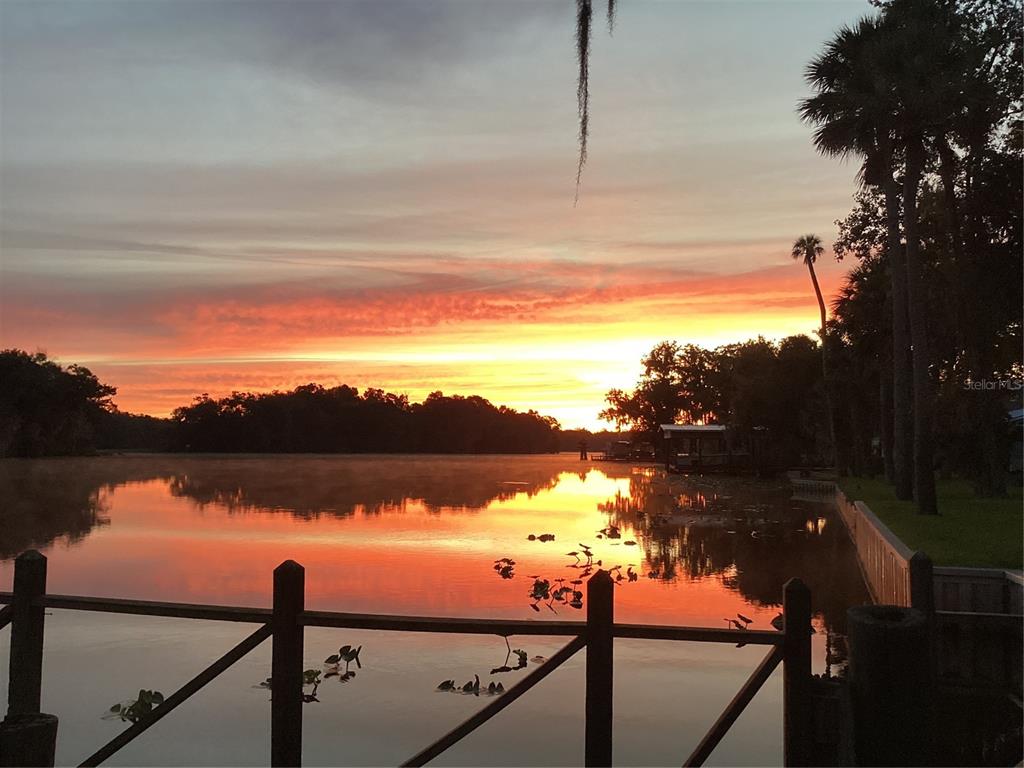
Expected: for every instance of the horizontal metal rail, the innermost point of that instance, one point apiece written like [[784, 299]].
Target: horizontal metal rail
[[176, 698], [967, 617], [699, 634], [438, 624], [153, 608], [735, 708], [498, 704], [444, 624], [285, 621]]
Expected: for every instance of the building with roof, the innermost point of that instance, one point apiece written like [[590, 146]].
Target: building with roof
[[706, 447]]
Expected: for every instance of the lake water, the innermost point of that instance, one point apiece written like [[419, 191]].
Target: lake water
[[414, 535]]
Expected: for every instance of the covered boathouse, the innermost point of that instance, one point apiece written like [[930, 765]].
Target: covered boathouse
[[705, 448]]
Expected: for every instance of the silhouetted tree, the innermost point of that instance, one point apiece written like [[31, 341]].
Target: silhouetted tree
[[808, 249], [315, 419], [47, 409], [756, 383]]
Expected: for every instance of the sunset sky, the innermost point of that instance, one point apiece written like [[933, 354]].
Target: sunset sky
[[207, 197]]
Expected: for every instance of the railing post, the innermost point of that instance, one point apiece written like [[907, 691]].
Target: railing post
[[600, 623], [798, 736], [26, 680], [27, 737], [922, 584], [286, 666]]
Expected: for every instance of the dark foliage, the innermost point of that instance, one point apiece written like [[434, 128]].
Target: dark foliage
[[118, 431], [927, 95], [47, 409], [314, 419], [756, 383]]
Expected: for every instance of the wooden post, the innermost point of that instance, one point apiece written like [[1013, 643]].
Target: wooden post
[[600, 623], [28, 740], [798, 737], [892, 689], [26, 671], [286, 666], [922, 584], [27, 737]]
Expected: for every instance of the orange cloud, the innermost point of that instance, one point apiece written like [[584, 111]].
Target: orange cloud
[[554, 336]]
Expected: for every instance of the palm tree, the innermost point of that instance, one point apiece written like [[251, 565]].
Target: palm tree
[[925, 56], [853, 114], [808, 248]]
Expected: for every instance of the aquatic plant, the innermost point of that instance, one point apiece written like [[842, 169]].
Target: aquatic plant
[[312, 678], [505, 567], [133, 710]]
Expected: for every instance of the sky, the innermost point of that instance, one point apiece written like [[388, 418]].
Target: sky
[[204, 197]]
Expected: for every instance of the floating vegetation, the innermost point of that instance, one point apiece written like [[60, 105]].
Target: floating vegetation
[[505, 567], [312, 678], [133, 710], [346, 654], [493, 689], [471, 687], [520, 660], [542, 537]]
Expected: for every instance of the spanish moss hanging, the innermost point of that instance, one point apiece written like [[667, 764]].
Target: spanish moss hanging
[[584, 17]]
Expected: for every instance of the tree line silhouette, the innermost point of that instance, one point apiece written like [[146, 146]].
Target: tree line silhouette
[[926, 94], [921, 360], [756, 383], [47, 409]]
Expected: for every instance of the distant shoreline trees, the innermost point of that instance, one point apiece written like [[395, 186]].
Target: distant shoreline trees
[[51, 410], [315, 419]]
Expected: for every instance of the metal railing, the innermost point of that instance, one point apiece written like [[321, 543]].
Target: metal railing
[[285, 622]]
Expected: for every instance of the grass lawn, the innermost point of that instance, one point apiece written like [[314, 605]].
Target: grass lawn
[[968, 531]]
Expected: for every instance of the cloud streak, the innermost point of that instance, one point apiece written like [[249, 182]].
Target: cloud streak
[[218, 195]]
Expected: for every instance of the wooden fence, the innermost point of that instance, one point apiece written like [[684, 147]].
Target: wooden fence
[[884, 559], [979, 590], [28, 737], [977, 611]]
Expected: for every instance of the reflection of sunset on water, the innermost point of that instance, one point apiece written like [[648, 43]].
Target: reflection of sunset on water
[[425, 542], [416, 535]]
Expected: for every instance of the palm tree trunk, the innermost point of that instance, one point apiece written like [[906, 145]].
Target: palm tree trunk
[[902, 387], [924, 475], [885, 418], [988, 472], [826, 384], [817, 293]]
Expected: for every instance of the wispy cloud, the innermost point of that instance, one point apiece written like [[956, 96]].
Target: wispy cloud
[[217, 195]]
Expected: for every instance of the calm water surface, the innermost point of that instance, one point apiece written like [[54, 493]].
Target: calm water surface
[[414, 535]]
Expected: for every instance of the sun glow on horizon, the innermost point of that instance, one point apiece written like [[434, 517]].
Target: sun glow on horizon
[[564, 372], [180, 232]]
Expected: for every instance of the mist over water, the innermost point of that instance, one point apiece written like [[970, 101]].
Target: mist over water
[[416, 535]]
